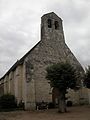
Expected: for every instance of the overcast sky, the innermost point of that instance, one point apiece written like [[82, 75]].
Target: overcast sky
[[20, 27]]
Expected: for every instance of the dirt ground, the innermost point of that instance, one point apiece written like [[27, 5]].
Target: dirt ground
[[74, 113]]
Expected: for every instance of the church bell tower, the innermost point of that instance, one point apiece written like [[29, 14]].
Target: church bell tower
[[51, 27]]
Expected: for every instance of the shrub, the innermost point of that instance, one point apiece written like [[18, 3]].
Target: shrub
[[8, 101], [51, 105], [21, 105], [69, 103]]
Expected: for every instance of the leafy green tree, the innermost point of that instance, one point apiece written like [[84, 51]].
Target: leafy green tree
[[62, 76], [87, 77]]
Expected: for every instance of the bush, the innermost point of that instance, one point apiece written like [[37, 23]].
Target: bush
[[51, 105], [69, 103], [21, 105], [8, 101]]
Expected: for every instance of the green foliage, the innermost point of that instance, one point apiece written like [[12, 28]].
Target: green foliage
[[62, 76], [7, 101], [87, 77]]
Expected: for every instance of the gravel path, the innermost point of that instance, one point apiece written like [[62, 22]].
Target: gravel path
[[74, 113]]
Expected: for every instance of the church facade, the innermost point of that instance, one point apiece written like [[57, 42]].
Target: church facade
[[26, 78]]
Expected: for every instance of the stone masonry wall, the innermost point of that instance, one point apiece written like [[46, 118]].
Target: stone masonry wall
[[51, 49]]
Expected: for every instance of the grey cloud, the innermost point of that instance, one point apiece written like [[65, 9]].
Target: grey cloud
[[20, 27]]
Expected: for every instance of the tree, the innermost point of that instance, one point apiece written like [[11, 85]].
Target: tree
[[87, 77], [62, 76]]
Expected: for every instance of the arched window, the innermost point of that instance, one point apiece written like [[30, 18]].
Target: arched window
[[56, 25], [49, 23]]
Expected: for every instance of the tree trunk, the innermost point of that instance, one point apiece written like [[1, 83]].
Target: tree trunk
[[62, 103]]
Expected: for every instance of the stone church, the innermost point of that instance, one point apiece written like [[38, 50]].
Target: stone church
[[26, 78]]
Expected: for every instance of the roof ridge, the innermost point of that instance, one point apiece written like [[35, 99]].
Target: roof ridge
[[18, 62]]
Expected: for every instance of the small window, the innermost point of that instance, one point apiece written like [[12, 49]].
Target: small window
[[49, 23], [56, 25]]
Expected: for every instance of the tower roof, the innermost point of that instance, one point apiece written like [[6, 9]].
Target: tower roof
[[52, 15]]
